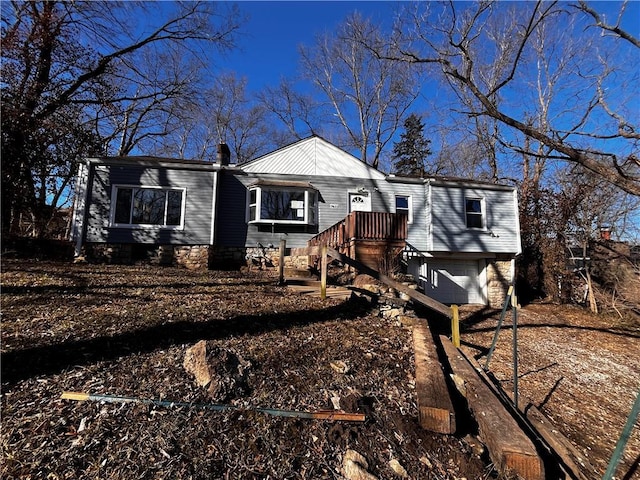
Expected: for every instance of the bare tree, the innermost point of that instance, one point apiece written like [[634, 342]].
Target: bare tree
[[70, 66], [222, 113], [299, 113], [369, 97], [483, 55]]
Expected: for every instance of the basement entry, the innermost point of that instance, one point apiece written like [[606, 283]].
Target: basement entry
[[450, 281]]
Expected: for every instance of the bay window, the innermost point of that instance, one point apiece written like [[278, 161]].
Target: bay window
[[289, 204]]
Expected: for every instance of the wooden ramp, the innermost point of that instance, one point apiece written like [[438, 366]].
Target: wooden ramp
[[510, 449], [435, 409]]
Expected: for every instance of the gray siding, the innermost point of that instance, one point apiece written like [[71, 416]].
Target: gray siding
[[231, 222], [417, 238], [438, 223], [449, 230], [332, 207], [198, 198]]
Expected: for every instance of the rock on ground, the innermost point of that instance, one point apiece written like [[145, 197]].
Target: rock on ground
[[221, 372]]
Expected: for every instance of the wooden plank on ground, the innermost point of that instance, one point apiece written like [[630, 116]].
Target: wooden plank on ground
[[435, 409], [574, 464], [511, 450], [411, 293], [313, 289]]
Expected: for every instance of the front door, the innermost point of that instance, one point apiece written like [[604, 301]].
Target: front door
[[359, 202]]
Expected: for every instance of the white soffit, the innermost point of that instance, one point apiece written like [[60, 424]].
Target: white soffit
[[312, 157]]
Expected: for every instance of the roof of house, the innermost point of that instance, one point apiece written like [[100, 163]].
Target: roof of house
[[165, 162], [312, 156], [449, 181]]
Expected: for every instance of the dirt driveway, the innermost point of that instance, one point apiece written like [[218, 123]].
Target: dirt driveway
[[581, 370]]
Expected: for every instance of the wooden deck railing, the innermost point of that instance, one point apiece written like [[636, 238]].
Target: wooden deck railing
[[356, 226]]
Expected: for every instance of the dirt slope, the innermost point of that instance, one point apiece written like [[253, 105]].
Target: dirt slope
[[124, 330]]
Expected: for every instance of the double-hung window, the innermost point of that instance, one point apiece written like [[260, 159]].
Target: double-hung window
[[285, 203], [474, 212], [157, 207], [404, 205]]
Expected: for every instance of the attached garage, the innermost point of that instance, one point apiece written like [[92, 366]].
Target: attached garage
[[451, 281]]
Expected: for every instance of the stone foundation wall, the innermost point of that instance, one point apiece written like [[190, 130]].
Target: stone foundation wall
[[118, 253], [192, 257], [189, 256], [262, 258], [498, 281]]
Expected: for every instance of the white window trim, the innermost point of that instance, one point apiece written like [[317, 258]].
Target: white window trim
[[146, 226], [266, 221], [483, 212], [409, 206]]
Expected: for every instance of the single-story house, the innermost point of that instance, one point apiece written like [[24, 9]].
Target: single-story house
[[462, 235]]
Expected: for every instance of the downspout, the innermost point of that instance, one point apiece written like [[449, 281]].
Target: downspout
[[430, 216], [518, 237], [214, 207], [81, 202], [517, 215]]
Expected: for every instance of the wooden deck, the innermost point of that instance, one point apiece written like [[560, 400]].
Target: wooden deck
[[373, 238]]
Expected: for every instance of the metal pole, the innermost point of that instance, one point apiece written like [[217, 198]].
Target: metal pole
[[317, 415], [507, 300], [624, 438]]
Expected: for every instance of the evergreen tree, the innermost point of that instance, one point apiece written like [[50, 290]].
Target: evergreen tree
[[411, 151]]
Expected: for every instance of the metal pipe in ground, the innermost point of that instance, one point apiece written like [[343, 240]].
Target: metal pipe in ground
[[624, 438]]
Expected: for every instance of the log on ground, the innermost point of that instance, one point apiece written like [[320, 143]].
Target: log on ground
[[435, 408], [511, 450]]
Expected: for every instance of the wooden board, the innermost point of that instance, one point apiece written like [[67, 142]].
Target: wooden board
[[305, 251], [576, 463], [509, 447], [435, 409], [313, 289], [411, 293]]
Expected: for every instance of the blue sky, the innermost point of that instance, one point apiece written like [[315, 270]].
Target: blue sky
[[268, 47]]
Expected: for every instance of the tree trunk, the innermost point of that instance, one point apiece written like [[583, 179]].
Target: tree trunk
[[593, 305]]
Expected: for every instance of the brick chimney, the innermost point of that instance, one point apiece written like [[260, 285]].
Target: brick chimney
[[224, 154], [605, 234]]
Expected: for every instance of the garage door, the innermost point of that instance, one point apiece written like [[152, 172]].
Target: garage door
[[451, 281]]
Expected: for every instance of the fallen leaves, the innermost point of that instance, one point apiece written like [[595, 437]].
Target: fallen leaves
[[124, 330]]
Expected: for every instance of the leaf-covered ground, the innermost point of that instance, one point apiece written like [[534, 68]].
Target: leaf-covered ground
[[123, 330]]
